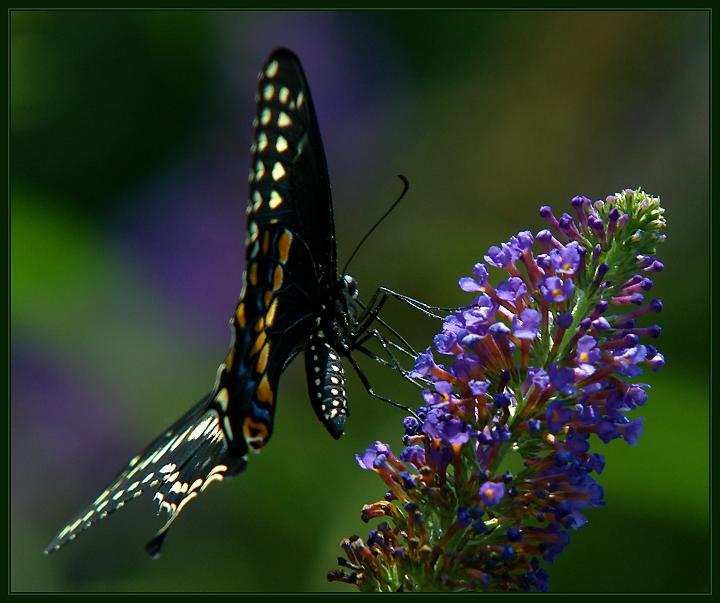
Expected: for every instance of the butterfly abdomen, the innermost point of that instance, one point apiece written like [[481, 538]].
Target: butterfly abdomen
[[326, 383]]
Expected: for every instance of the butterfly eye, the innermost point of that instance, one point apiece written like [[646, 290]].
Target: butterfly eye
[[351, 286]]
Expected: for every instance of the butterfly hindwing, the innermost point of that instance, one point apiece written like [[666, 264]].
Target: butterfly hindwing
[[180, 463]]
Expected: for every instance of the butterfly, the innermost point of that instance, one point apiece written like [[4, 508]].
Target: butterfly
[[292, 301]]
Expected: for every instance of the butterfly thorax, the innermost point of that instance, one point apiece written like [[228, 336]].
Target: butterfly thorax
[[339, 318]]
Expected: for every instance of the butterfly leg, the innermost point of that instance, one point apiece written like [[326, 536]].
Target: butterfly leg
[[382, 294], [394, 363], [371, 313], [369, 388]]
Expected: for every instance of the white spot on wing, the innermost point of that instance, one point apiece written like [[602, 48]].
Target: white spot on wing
[[278, 171], [257, 200], [262, 141], [272, 69], [281, 144], [275, 198]]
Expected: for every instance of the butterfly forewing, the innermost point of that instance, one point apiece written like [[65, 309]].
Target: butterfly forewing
[[286, 120]]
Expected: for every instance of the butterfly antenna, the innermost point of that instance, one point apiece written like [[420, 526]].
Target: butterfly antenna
[[406, 186]]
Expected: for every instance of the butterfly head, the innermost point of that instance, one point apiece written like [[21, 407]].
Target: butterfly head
[[350, 287]]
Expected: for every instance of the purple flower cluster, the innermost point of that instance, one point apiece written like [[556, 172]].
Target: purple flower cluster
[[538, 364]]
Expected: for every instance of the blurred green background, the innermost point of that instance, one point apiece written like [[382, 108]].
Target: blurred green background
[[129, 154]]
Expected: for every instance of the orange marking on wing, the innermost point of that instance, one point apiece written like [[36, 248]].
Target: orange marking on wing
[[259, 342], [265, 392], [256, 434], [240, 315], [284, 246], [277, 278], [267, 298], [266, 243], [270, 315], [263, 359], [252, 277], [259, 324]]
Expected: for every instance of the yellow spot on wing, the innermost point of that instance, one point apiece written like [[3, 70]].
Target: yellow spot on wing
[[256, 434], [259, 342], [270, 315], [262, 141], [284, 94], [284, 245], [196, 484], [222, 398], [277, 278], [216, 469], [240, 315], [281, 144], [103, 495], [278, 171], [275, 198], [265, 392], [259, 324], [269, 92], [265, 116], [263, 359], [267, 298], [272, 69], [228, 428], [252, 277], [283, 120]]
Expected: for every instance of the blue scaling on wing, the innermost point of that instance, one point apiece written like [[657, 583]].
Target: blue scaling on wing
[[292, 301]]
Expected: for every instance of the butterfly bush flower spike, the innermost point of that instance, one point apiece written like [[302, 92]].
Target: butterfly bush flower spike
[[541, 366]]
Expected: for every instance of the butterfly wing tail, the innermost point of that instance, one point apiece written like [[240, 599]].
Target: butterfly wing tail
[[180, 463]]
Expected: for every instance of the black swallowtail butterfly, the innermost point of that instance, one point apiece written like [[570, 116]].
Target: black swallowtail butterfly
[[292, 301]]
